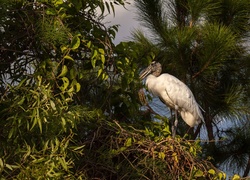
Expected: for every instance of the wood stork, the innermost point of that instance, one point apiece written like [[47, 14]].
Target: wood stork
[[174, 93]]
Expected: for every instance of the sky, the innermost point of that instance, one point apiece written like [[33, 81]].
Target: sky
[[126, 18]]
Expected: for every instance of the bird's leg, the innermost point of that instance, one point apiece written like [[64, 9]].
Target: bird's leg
[[174, 125]]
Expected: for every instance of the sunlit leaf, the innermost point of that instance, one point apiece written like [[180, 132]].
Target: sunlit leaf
[[64, 71], [75, 43], [89, 44], [198, 173], [65, 83], [63, 163], [128, 142], [78, 87], [161, 155], [71, 89], [52, 104], [236, 177], [63, 49], [68, 57], [211, 171]]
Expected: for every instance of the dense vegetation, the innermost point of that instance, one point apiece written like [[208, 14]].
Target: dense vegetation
[[70, 107]]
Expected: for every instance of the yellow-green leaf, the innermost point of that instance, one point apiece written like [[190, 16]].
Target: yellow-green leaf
[[65, 83], [21, 101], [1, 164], [161, 155], [63, 163], [63, 49], [89, 44], [71, 89], [78, 87], [102, 58], [104, 76], [79, 147], [222, 175], [9, 167], [101, 51], [211, 171], [128, 142], [64, 71], [236, 177], [52, 104], [63, 121], [75, 43], [198, 173], [68, 57], [99, 72]]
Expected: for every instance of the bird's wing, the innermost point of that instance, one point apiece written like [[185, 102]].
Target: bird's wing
[[177, 93]]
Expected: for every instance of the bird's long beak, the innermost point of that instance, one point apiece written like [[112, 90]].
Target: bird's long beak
[[145, 72]]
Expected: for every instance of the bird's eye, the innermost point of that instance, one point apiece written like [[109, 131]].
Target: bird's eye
[[153, 63]]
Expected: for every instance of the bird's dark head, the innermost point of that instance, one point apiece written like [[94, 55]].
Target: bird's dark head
[[154, 68]]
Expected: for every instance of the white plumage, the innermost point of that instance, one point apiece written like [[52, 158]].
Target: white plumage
[[174, 93]]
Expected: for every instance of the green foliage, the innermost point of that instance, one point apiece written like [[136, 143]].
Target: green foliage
[[46, 55], [144, 154], [40, 126]]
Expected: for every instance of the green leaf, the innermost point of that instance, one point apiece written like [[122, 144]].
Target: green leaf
[[71, 89], [11, 132], [102, 58], [39, 121], [236, 177], [21, 101], [78, 87], [78, 148], [89, 44], [211, 171], [93, 58], [161, 155], [58, 2], [9, 167], [104, 76], [75, 43], [64, 71], [52, 104], [101, 51], [128, 142], [65, 83], [63, 163], [63, 49], [72, 73], [99, 72], [51, 11], [68, 57], [222, 175], [42, 159], [63, 121], [198, 173], [1, 165]]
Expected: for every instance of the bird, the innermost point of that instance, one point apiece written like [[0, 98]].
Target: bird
[[173, 93]]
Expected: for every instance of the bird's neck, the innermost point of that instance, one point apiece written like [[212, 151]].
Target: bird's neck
[[150, 81]]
